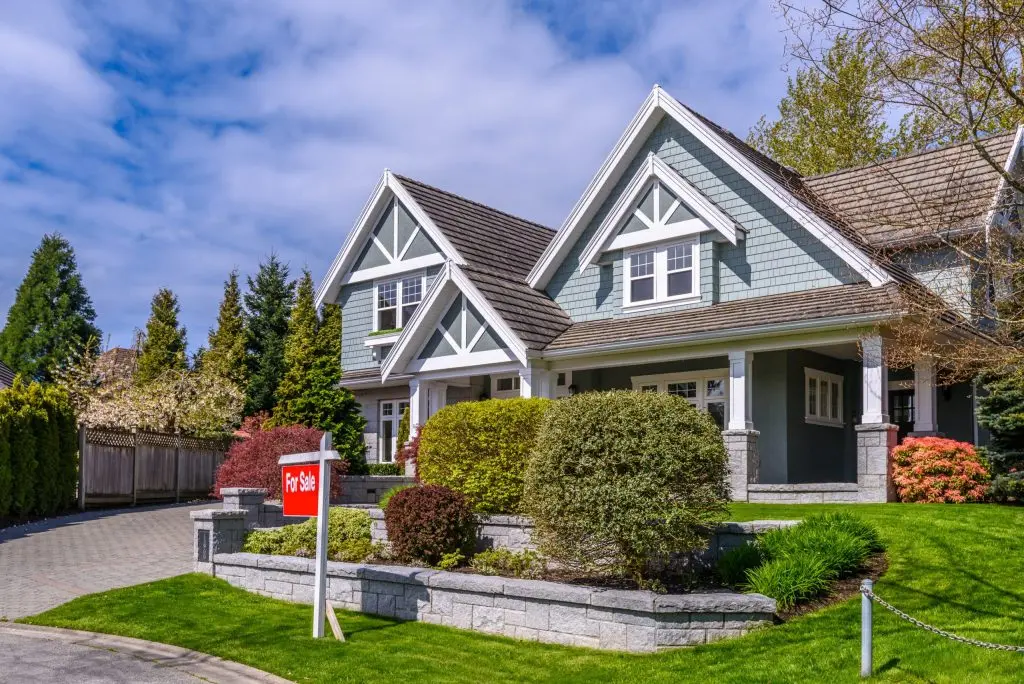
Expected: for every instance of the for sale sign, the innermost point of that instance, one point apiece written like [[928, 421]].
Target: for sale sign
[[300, 491]]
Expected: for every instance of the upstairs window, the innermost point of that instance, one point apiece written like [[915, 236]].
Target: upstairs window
[[660, 274], [396, 301]]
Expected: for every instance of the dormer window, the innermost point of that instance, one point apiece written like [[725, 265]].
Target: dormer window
[[660, 274], [396, 301]]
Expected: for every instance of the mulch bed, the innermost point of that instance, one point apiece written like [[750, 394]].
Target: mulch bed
[[842, 590]]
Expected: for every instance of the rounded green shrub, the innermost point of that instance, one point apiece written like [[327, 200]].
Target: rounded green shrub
[[348, 537], [791, 580], [620, 479], [480, 449], [386, 496], [429, 523], [734, 564]]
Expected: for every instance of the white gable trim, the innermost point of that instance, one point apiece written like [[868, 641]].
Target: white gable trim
[[1011, 158], [387, 187], [657, 105], [656, 169], [449, 282]]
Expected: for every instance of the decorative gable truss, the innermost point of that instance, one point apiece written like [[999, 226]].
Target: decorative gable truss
[[393, 235], [454, 327], [658, 205]]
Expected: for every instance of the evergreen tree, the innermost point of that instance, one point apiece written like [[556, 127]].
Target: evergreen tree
[[163, 345], [268, 304], [832, 117], [52, 315], [225, 355], [300, 351]]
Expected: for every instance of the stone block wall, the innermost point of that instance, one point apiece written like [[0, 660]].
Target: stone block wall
[[744, 460], [368, 489], [532, 610], [875, 443], [826, 492]]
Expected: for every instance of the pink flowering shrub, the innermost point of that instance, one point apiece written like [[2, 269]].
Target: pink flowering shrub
[[937, 470]]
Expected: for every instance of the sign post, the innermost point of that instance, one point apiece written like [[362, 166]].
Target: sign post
[[306, 491]]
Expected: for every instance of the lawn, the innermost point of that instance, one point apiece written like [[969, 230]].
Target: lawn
[[957, 567]]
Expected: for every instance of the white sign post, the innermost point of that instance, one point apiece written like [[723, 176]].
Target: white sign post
[[324, 458]]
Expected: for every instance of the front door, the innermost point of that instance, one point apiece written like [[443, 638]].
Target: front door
[[901, 411]]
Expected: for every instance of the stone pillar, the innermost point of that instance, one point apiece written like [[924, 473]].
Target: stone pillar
[[248, 500], [875, 443], [216, 531], [741, 390], [876, 382], [744, 461], [925, 419]]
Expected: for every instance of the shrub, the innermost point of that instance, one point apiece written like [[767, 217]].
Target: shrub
[[1008, 487], [791, 580], [408, 453], [480, 449], [348, 537], [937, 470], [845, 522], [526, 564], [734, 564], [619, 478], [403, 428], [252, 462], [383, 469], [426, 523], [386, 497]]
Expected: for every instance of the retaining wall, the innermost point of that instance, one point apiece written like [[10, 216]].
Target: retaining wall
[[368, 489], [533, 610]]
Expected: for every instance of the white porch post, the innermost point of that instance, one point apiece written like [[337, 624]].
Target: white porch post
[[876, 382], [925, 421], [536, 382], [419, 410], [740, 390], [438, 397], [740, 436]]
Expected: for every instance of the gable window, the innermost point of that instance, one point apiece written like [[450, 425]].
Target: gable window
[[704, 389], [396, 301], [660, 274], [823, 398]]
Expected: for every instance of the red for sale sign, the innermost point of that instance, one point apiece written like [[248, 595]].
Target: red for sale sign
[[300, 489]]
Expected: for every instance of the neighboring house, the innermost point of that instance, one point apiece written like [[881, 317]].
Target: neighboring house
[[6, 376], [117, 364], [692, 264]]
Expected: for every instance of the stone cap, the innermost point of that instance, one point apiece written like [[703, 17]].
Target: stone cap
[[244, 491], [217, 514], [875, 427], [755, 526]]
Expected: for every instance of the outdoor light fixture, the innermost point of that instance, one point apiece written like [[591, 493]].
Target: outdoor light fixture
[[573, 389]]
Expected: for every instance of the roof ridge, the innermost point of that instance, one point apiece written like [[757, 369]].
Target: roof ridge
[[407, 179], [910, 155]]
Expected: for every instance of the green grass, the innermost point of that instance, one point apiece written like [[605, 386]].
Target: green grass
[[958, 567]]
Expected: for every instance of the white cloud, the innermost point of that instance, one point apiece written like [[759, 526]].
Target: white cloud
[[173, 141]]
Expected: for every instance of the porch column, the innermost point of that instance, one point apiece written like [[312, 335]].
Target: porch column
[[876, 437], [925, 422], [536, 382], [438, 397], [740, 436], [419, 411]]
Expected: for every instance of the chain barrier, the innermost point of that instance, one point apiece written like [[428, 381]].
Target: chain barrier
[[935, 630]]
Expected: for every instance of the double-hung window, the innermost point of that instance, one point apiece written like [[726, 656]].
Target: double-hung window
[[823, 398], [660, 274], [396, 301], [704, 389]]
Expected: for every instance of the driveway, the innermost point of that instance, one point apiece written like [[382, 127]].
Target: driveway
[[45, 564]]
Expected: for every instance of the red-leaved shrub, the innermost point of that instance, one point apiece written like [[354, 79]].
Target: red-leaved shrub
[[424, 523], [937, 470], [252, 462]]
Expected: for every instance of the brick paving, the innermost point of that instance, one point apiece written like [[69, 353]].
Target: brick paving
[[45, 564]]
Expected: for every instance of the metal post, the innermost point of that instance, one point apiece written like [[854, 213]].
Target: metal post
[[865, 629], [81, 466], [323, 508]]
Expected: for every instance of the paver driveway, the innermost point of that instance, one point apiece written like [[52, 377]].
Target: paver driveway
[[45, 564]]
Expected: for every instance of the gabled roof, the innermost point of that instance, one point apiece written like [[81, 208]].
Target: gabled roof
[[6, 376], [912, 197]]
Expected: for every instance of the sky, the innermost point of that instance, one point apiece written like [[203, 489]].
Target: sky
[[172, 141]]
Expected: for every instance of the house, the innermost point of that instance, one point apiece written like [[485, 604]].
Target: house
[[694, 265], [6, 376]]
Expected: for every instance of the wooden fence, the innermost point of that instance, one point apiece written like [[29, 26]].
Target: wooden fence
[[128, 467]]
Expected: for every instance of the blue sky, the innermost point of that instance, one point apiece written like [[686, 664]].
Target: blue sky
[[174, 140]]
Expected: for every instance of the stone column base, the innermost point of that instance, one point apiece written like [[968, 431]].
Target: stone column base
[[875, 442], [744, 461], [215, 531]]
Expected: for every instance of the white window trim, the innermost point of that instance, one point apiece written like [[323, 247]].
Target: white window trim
[[662, 381], [661, 298], [422, 275], [506, 394], [395, 419], [820, 377], [561, 391]]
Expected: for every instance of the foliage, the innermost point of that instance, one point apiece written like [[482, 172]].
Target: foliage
[[252, 462], [310, 392], [450, 561], [425, 523], [348, 537], [52, 314], [163, 345], [38, 450], [507, 563], [386, 496], [268, 304], [383, 469], [1008, 487], [225, 356], [403, 428], [620, 478], [1001, 412], [831, 117], [409, 452], [734, 564], [481, 448], [937, 470], [791, 580]]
